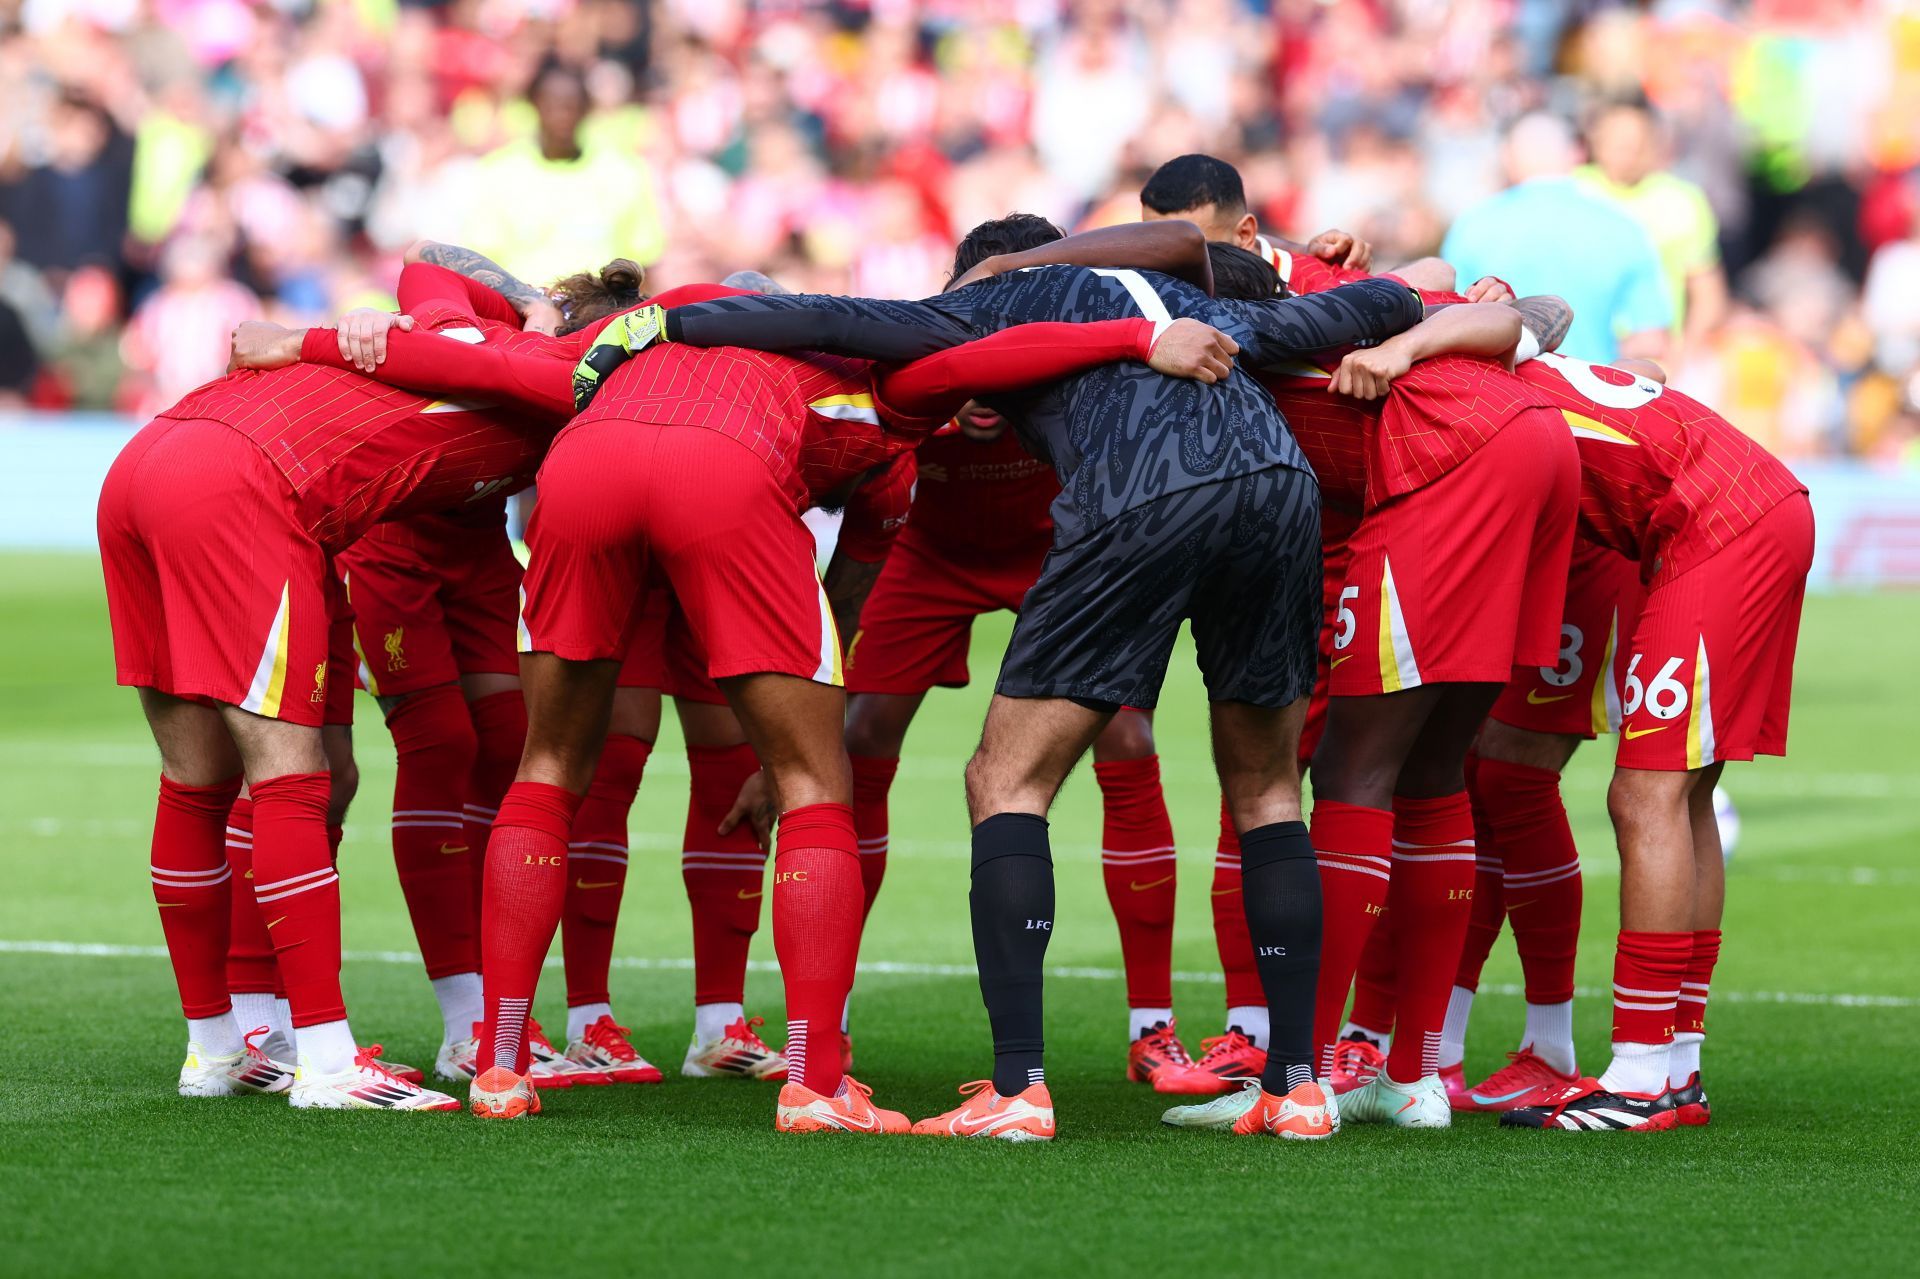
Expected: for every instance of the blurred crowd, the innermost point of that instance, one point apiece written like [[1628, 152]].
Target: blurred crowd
[[170, 167]]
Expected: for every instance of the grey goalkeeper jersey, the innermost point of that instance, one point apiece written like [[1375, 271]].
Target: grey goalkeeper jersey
[[1119, 435]]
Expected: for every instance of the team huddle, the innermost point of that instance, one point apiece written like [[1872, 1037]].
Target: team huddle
[[1422, 556]]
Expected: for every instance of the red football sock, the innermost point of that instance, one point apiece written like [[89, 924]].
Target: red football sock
[[597, 869], [250, 966], [1690, 1013], [299, 892], [725, 875], [872, 779], [526, 887], [434, 743], [1430, 898], [1230, 935], [500, 733], [816, 934], [1375, 998], [1541, 884], [1353, 845], [1137, 861], [191, 885], [1648, 969]]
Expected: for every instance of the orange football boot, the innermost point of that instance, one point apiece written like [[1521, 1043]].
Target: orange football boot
[[1157, 1056], [985, 1113], [499, 1093], [1305, 1114], [803, 1110]]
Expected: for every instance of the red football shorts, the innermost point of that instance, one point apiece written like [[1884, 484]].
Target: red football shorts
[[214, 590], [664, 654], [1571, 697], [433, 599], [1710, 666], [918, 623], [1463, 579], [621, 501]]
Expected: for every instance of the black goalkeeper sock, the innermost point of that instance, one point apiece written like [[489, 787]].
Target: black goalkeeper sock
[[1012, 905], [1280, 888]]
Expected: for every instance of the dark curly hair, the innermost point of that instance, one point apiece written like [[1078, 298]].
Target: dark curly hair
[[1010, 234], [589, 295]]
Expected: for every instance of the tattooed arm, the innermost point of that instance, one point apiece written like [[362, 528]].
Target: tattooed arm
[[1546, 317], [537, 311]]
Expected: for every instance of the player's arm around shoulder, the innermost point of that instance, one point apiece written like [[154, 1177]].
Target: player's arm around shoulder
[[1488, 329]]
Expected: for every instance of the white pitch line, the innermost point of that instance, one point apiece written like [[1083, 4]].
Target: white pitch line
[[899, 968]]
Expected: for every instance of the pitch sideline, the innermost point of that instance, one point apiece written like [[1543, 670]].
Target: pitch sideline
[[895, 968]]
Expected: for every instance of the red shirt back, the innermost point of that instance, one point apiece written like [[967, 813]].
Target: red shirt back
[[1663, 478], [981, 499], [355, 451]]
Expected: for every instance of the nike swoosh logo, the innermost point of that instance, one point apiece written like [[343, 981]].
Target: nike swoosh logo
[[1534, 698], [1484, 1100], [275, 923], [1225, 892], [1141, 888], [1411, 1103], [1632, 733], [746, 896], [1336, 661], [164, 905], [448, 850], [605, 883]]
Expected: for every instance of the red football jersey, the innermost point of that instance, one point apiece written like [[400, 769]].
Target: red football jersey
[[982, 498], [1333, 431], [355, 451], [1663, 478]]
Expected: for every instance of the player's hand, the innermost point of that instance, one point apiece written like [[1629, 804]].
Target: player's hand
[[1489, 288], [1367, 374], [542, 317], [258, 344], [630, 333], [1342, 248], [1192, 349], [754, 805], [363, 336]]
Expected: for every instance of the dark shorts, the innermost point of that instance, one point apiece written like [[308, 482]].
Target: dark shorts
[[1240, 558]]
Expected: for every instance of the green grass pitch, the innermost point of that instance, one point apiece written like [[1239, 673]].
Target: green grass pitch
[[1810, 1165]]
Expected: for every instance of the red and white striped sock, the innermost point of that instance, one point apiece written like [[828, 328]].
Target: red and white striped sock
[[597, 872], [1690, 1011], [1430, 900], [1140, 868], [725, 875], [816, 935], [298, 891], [192, 882], [872, 781], [1246, 1000], [434, 748], [1353, 845], [526, 887], [1648, 969], [500, 735]]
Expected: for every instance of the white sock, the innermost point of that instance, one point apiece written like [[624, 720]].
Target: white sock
[[710, 1021], [1252, 1021], [252, 1010], [846, 1011], [1453, 1031], [1637, 1068], [1550, 1035], [216, 1036], [1684, 1062], [460, 1004], [283, 1020], [1382, 1038], [583, 1016], [1144, 1020], [327, 1048]]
